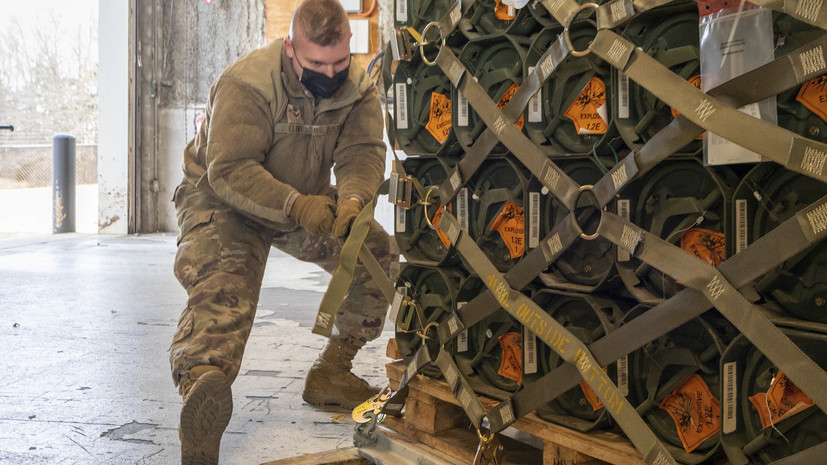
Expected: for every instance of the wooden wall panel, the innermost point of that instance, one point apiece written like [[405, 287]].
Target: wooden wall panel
[[279, 12]]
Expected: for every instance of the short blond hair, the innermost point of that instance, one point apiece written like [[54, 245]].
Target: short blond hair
[[323, 22]]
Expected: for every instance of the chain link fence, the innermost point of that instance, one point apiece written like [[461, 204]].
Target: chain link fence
[[31, 166]]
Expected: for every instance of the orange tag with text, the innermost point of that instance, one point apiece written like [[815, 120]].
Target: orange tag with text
[[704, 244], [695, 81], [588, 392], [439, 119], [695, 411], [507, 98], [438, 216], [589, 111], [813, 95], [783, 400], [510, 223], [511, 366], [501, 11]]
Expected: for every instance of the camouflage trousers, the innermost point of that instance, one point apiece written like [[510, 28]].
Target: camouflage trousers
[[220, 263]]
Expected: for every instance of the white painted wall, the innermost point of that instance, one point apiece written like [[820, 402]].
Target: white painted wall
[[113, 123]]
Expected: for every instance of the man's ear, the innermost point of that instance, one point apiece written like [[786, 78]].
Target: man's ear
[[288, 47]]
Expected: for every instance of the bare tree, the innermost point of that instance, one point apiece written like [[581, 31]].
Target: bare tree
[[48, 78]]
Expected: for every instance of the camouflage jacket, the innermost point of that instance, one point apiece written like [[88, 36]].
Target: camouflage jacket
[[265, 138]]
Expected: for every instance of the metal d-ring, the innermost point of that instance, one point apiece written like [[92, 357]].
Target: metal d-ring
[[427, 327], [583, 235], [567, 37], [425, 209], [423, 42]]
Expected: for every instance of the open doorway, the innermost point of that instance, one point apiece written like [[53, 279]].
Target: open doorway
[[48, 86]]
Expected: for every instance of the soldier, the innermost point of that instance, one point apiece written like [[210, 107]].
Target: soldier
[[258, 174]]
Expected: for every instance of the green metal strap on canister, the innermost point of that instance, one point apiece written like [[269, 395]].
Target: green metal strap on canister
[[563, 342], [748, 375], [430, 299]]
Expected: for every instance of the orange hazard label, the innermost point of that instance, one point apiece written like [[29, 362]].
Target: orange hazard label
[[511, 366], [813, 95], [501, 11], [507, 98], [588, 392], [510, 223], [704, 244], [695, 81], [439, 118], [695, 411], [589, 112], [438, 216], [783, 400]]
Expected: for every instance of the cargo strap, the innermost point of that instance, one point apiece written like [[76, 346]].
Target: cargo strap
[[459, 386], [785, 147], [738, 91], [565, 344], [353, 249], [482, 146], [782, 243], [557, 181], [614, 13], [550, 249], [747, 88], [814, 454], [746, 316]]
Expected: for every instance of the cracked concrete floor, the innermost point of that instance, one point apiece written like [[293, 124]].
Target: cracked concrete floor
[[85, 324]]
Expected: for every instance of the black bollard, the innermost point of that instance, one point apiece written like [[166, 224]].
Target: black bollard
[[63, 183]]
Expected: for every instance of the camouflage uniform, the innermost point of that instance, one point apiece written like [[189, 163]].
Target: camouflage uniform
[[220, 262], [264, 141]]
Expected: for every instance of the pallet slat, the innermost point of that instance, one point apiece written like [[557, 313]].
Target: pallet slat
[[562, 445]]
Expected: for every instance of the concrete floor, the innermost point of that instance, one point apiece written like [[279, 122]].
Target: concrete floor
[[85, 324]]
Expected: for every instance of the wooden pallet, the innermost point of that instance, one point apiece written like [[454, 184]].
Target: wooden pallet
[[433, 417]]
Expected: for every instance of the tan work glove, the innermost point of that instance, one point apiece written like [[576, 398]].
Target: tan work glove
[[315, 213], [345, 215]]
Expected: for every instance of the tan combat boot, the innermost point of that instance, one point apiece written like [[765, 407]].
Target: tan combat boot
[[330, 381], [208, 406]]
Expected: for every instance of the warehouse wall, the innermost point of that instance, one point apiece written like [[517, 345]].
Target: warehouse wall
[[184, 46]]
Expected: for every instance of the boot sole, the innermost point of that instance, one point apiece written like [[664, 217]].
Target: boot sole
[[323, 398], [204, 417]]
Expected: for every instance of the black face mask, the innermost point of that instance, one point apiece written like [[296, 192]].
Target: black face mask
[[319, 84]]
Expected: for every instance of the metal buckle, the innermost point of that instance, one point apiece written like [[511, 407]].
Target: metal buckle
[[403, 45], [401, 197]]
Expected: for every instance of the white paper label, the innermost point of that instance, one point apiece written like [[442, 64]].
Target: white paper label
[[730, 397], [389, 101], [462, 110], [623, 375], [623, 212], [530, 352], [402, 11], [534, 219], [622, 95], [401, 104], [535, 107], [462, 208], [462, 337], [401, 217], [740, 225]]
